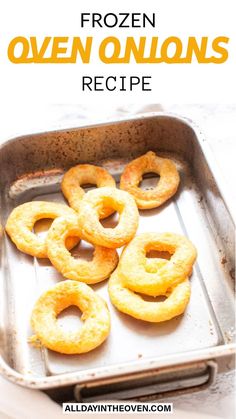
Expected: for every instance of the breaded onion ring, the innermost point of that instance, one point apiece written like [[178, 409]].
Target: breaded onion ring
[[134, 305], [102, 265], [136, 273], [166, 187], [21, 221], [96, 318], [83, 174], [88, 217]]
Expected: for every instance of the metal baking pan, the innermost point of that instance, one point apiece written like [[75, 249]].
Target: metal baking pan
[[138, 359]]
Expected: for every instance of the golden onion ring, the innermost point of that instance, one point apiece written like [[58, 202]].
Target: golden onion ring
[[96, 318], [21, 222], [83, 174], [166, 187], [136, 273], [134, 305], [88, 217], [99, 268]]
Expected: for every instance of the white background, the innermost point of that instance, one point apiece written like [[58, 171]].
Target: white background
[[61, 83]]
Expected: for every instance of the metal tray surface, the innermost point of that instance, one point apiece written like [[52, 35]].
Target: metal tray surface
[[31, 169]]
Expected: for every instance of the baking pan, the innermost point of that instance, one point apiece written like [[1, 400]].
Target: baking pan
[[138, 359]]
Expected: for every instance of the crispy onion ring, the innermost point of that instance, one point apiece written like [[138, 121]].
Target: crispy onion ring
[[83, 174], [96, 318], [88, 217], [166, 187], [21, 221], [137, 275], [134, 305], [102, 265]]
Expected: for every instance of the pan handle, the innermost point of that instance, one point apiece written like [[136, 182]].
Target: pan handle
[[150, 384]]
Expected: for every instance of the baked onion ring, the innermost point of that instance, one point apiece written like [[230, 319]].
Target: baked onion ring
[[134, 305], [136, 273], [21, 221], [166, 187], [99, 268], [83, 174], [96, 318], [88, 217]]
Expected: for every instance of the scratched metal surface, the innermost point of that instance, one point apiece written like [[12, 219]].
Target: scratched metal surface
[[208, 320]]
